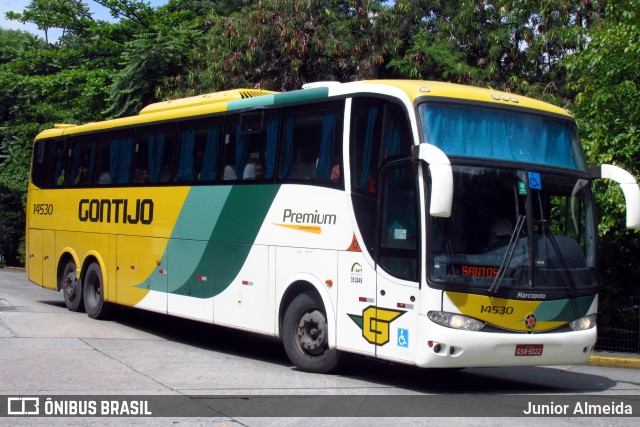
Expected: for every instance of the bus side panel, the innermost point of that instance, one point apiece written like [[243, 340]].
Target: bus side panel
[[245, 302], [356, 296], [190, 291], [82, 243], [49, 260], [141, 270], [34, 256], [316, 266], [399, 306], [110, 290]]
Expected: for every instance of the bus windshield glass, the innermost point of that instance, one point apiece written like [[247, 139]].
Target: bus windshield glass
[[504, 134], [513, 230]]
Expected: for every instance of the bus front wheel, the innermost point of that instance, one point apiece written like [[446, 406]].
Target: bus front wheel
[[94, 302], [71, 287], [305, 335]]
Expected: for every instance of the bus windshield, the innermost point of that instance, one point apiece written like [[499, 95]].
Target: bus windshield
[[504, 134], [512, 230]]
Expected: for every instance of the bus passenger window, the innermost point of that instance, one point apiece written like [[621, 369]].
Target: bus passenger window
[[153, 154], [58, 164], [311, 144], [250, 146], [198, 151], [379, 130], [114, 162], [83, 161], [40, 163]]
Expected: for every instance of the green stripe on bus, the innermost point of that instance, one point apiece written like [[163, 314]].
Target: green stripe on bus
[[301, 95], [208, 248], [258, 101]]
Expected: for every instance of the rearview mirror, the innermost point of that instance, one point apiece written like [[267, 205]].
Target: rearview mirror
[[441, 178]]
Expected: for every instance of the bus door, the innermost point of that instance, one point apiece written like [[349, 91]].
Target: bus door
[[397, 256]]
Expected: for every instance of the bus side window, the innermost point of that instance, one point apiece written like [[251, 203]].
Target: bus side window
[[40, 162], [379, 130], [311, 144], [83, 156], [153, 154], [114, 165], [58, 166], [250, 145], [398, 252], [198, 151]]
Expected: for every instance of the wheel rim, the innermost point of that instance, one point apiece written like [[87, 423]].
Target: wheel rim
[[312, 333], [70, 285]]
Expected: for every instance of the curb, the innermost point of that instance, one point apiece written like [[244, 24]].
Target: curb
[[13, 268], [615, 361]]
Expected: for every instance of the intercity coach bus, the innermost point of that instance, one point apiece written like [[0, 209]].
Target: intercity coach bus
[[418, 222]]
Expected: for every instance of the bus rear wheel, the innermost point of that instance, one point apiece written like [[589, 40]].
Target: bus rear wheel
[[71, 287], [305, 335], [94, 302]]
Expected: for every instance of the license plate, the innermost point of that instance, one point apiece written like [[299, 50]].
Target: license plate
[[529, 349]]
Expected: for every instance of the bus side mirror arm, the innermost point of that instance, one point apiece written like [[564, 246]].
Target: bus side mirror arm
[[441, 178], [629, 188]]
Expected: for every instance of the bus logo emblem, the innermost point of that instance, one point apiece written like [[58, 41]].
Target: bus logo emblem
[[530, 321], [374, 323]]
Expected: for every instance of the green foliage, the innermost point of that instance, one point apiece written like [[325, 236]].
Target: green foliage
[[12, 223], [605, 79], [148, 60], [69, 15]]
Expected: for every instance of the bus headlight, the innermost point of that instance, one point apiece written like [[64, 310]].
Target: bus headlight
[[455, 321], [583, 323]]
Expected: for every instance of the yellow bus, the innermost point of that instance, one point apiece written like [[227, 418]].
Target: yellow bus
[[418, 222]]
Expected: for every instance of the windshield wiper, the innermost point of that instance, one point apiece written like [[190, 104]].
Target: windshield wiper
[[506, 260]]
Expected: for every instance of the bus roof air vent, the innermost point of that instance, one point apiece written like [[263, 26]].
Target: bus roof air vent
[[206, 99]]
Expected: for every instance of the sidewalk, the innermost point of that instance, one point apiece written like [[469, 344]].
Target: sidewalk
[[615, 360]]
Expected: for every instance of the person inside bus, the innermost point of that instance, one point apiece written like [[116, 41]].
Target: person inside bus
[[141, 176], [82, 177], [259, 171], [335, 171]]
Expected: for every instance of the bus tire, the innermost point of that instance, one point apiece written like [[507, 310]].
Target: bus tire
[[305, 335], [71, 287], [94, 302]]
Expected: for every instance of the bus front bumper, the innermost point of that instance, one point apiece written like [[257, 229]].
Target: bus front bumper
[[442, 347]]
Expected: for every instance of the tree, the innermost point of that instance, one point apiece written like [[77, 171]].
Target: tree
[[515, 46], [48, 14], [606, 80], [281, 45], [12, 221]]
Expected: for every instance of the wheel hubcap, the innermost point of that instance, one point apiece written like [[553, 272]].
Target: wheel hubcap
[[70, 285], [312, 333]]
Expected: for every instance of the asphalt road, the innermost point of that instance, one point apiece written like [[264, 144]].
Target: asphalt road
[[46, 350]]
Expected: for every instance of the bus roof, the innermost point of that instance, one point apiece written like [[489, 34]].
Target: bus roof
[[237, 99], [421, 88]]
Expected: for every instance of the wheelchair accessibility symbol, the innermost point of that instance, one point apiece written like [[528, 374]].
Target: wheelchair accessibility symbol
[[535, 182], [403, 338]]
